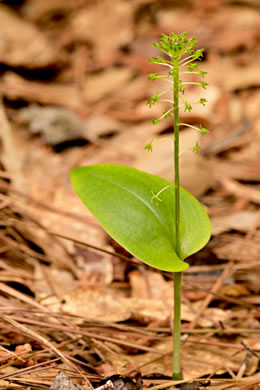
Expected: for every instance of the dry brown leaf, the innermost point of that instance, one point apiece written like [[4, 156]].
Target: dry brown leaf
[[241, 170], [234, 290], [107, 305], [211, 315], [20, 353], [175, 16], [22, 44], [106, 369], [96, 304], [98, 125], [242, 17], [237, 38], [252, 384], [243, 191], [56, 125], [36, 9], [52, 280], [62, 381], [250, 279], [43, 288], [242, 33], [234, 247], [97, 267], [253, 299], [11, 157], [241, 221], [103, 84], [106, 27], [239, 77], [194, 295], [15, 87], [148, 284], [252, 104], [111, 305], [253, 361], [197, 360], [136, 90]]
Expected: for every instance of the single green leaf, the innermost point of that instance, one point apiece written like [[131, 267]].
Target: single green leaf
[[120, 199]]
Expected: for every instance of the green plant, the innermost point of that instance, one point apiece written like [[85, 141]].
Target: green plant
[[156, 220]]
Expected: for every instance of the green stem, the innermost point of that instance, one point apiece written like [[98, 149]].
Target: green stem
[[177, 327], [177, 275], [176, 154]]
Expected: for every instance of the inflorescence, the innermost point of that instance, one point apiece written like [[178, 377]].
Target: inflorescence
[[182, 54]]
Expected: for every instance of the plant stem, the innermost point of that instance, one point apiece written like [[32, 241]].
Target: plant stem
[[177, 275], [176, 154], [177, 327]]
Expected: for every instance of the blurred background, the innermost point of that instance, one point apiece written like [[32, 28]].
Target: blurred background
[[74, 92]]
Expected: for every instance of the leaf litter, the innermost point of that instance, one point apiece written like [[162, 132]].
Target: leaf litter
[[68, 308]]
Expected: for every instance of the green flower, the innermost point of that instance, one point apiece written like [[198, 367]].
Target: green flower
[[149, 146], [192, 67], [203, 84], [202, 101], [152, 76], [154, 99], [203, 131], [188, 107], [196, 148]]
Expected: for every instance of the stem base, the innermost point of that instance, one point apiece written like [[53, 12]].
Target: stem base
[[177, 276]]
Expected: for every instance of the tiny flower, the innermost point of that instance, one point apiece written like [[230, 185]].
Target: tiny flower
[[157, 60], [181, 87], [198, 54], [203, 131], [187, 106], [149, 146], [196, 148], [152, 76], [154, 99], [202, 73], [192, 67], [202, 101], [203, 84], [166, 113]]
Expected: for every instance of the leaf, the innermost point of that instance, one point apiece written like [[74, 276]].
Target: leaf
[[120, 199]]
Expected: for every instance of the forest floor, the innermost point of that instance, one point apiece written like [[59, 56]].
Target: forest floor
[[74, 92]]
